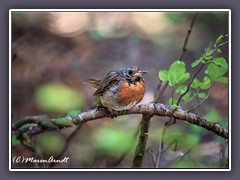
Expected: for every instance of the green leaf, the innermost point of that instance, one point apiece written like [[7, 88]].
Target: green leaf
[[202, 95], [163, 75], [176, 70], [215, 71], [73, 113], [172, 79], [222, 79], [208, 58], [178, 66], [183, 78], [15, 140], [195, 84], [220, 62], [181, 89], [208, 53], [218, 40], [219, 51], [212, 71], [188, 97], [63, 122], [195, 63], [174, 106], [206, 83]]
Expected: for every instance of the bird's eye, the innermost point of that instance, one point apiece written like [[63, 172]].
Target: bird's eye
[[130, 72]]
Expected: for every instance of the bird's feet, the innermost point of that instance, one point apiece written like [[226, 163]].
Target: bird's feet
[[100, 107]]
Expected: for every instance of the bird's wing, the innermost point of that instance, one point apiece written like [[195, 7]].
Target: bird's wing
[[112, 77], [93, 82]]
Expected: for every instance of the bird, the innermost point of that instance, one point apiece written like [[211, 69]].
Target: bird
[[120, 89]]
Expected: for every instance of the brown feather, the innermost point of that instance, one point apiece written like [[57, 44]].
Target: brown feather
[[112, 77], [93, 82]]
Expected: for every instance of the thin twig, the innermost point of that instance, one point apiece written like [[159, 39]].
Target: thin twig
[[187, 37], [150, 151], [174, 142], [173, 90], [220, 46], [159, 154], [179, 159], [199, 103], [189, 85], [161, 145], [160, 90]]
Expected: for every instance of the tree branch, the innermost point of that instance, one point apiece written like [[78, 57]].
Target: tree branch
[[187, 37], [151, 109], [142, 142]]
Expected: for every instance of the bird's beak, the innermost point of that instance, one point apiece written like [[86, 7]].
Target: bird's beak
[[140, 73]]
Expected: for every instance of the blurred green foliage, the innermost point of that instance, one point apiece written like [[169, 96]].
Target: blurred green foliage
[[213, 116], [184, 163], [49, 143], [112, 141], [54, 97], [185, 140], [15, 141]]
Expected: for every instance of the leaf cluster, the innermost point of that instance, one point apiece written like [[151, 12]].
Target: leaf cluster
[[176, 76]]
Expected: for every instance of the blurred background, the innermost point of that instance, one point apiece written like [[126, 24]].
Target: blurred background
[[54, 52]]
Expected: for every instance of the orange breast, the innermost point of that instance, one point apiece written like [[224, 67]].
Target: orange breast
[[130, 93]]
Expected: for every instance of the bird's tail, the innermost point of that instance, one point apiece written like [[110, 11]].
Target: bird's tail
[[93, 82]]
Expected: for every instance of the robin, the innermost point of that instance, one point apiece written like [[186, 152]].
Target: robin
[[120, 89]]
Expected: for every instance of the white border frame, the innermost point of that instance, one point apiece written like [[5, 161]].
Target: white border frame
[[117, 10]]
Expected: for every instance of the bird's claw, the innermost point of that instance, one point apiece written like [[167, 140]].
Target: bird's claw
[[100, 107]]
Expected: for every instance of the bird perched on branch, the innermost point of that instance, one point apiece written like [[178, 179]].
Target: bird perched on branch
[[120, 89]]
